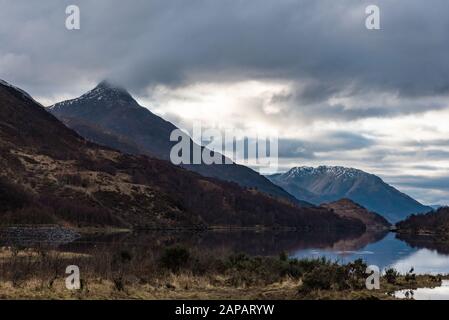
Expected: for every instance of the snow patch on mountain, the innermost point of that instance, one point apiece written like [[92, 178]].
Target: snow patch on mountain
[[335, 171], [325, 184], [102, 94]]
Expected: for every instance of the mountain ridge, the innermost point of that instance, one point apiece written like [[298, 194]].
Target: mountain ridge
[[331, 183], [109, 115], [51, 175]]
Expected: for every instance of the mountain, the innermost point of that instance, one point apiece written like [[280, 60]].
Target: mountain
[[432, 223], [327, 184], [349, 209], [428, 231], [50, 174], [110, 116]]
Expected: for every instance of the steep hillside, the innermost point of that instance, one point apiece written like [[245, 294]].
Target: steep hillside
[[109, 115], [49, 174]]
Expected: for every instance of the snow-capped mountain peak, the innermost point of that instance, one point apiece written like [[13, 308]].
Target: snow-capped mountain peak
[[107, 90], [105, 94], [332, 183], [336, 171]]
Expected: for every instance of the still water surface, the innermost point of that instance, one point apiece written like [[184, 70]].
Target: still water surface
[[386, 252], [384, 249], [438, 293]]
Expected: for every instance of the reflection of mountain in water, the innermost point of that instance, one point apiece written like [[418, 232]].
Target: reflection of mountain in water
[[383, 253], [268, 243], [425, 254], [250, 242], [426, 241], [424, 261], [360, 242]]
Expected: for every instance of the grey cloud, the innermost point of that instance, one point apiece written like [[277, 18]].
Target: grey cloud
[[429, 143], [321, 47], [150, 42], [312, 102], [425, 167], [423, 155], [295, 149], [326, 142], [439, 183]]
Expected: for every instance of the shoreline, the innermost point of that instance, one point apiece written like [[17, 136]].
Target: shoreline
[[111, 230]]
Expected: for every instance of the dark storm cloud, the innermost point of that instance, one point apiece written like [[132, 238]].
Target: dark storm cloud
[[335, 70], [328, 102], [423, 155], [437, 183], [150, 42], [327, 142]]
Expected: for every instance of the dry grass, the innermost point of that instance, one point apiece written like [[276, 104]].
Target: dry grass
[[175, 287], [183, 287], [39, 274]]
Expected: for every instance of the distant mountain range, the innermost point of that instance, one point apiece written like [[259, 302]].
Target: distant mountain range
[[110, 116], [327, 184], [51, 175]]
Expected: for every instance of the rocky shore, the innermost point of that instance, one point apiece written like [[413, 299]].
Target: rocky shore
[[32, 235]]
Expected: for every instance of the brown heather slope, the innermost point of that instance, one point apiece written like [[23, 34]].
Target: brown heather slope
[[49, 174], [349, 209]]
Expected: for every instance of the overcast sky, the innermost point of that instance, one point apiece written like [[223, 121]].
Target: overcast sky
[[337, 93]]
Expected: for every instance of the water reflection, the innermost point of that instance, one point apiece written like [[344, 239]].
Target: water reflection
[[390, 251], [383, 253], [438, 293], [249, 242], [424, 261], [427, 242], [383, 249]]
